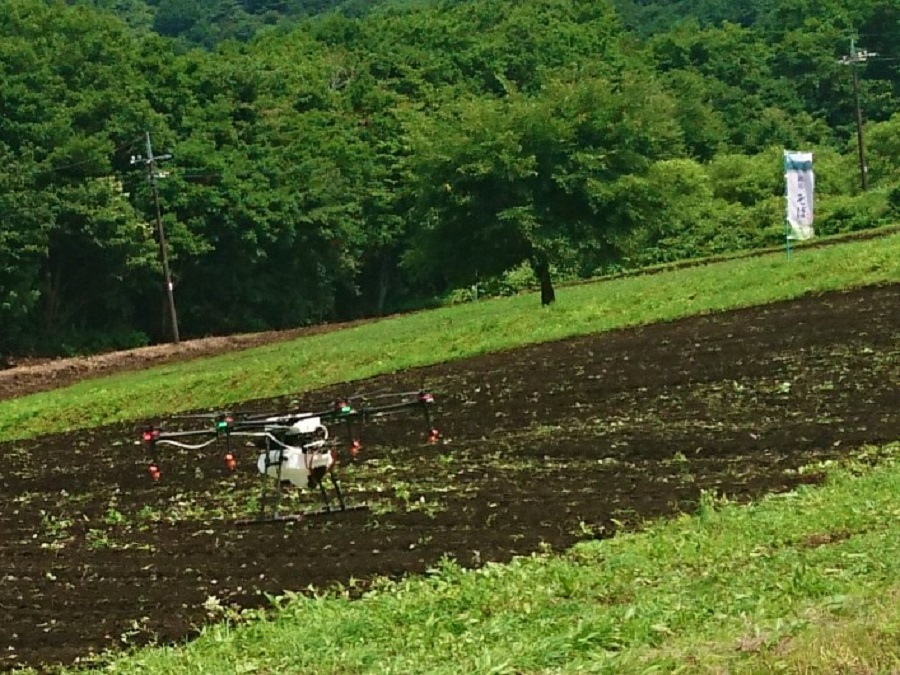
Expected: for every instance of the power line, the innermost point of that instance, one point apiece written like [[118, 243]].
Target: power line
[[124, 146], [865, 35]]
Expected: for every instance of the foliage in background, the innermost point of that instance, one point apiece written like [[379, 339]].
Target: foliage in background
[[336, 164]]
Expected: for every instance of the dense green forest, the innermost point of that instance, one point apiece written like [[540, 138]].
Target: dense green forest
[[208, 22], [330, 160]]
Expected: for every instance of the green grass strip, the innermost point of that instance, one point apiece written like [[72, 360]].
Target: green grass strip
[[449, 333], [730, 589]]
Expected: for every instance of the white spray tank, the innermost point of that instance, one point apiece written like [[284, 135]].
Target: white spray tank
[[299, 460]]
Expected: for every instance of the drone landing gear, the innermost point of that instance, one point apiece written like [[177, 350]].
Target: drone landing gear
[[316, 478], [297, 517]]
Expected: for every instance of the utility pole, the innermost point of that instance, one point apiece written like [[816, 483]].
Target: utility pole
[[150, 162], [855, 57]]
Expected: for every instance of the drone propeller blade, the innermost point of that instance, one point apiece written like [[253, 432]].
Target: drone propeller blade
[[366, 395], [198, 416], [385, 394], [256, 416], [408, 400]]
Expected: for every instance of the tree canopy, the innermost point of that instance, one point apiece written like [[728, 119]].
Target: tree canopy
[[333, 160]]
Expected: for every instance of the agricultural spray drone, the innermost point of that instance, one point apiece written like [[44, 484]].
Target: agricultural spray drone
[[294, 447]]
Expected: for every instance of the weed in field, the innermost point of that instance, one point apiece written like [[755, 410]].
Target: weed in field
[[55, 531]]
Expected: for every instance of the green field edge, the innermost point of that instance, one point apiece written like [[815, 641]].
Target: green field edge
[[795, 247], [793, 582], [410, 341]]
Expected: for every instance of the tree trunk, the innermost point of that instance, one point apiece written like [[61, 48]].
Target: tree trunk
[[52, 305], [542, 270], [384, 272]]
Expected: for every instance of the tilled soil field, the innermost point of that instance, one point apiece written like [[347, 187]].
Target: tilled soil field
[[544, 445]]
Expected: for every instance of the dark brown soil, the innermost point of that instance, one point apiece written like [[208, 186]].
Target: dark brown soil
[[543, 445]]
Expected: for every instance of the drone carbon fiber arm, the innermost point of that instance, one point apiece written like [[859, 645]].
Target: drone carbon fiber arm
[[273, 427], [152, 437]]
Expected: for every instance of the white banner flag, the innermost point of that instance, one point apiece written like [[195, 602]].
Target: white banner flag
[[800, 183]]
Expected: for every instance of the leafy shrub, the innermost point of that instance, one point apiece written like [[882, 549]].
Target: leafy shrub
[[88, 341], [851, 213]]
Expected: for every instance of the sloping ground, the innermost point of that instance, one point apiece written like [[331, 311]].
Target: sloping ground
[[545, 444], [28, 376]]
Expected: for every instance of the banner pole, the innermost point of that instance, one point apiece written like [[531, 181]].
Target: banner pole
[[787, 222]]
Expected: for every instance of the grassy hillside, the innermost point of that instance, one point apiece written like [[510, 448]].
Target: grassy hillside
[[449, 333]]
